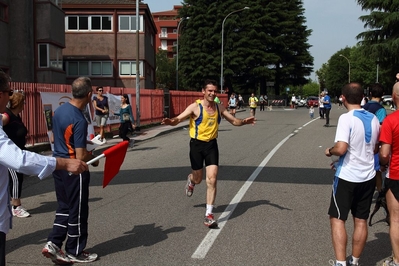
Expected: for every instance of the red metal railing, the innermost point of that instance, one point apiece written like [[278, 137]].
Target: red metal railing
[[151, 106]]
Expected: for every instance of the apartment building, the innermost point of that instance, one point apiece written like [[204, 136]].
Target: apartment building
[[32, 39], [101, 41], [167, 26]]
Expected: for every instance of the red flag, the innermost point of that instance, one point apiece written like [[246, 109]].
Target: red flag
[[114, 159]]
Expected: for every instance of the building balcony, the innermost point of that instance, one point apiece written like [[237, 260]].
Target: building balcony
[[167, 36]]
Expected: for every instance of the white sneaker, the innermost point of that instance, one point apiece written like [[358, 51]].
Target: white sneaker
[[54, 253], [83, 257], [20, 212]]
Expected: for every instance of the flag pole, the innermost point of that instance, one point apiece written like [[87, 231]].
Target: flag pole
[[95, 159], [92, 161]]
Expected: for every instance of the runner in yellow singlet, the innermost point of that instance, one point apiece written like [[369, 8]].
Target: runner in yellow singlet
[[253, 102], [205, 117]]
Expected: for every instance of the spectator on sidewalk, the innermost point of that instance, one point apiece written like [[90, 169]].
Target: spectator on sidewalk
[[100, 104], [126, 120], [17, 132]]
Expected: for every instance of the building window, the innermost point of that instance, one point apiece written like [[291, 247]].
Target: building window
[[3, 12], [164, 45], [89, 68], [128, 23], [88, 23], [164, 33], [49, 56], [128, 68], [101, 23], [83, 23]]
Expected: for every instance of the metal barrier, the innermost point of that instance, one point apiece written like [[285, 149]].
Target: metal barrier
[[277, 103]]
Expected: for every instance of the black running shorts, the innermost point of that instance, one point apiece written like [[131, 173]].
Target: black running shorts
[[393, 185], [356, 197], [202, 151]]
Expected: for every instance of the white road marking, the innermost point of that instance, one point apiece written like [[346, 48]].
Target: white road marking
[[210, 238]]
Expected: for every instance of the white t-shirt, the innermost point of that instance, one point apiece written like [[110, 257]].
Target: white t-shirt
[[360, 129], [321, 100]]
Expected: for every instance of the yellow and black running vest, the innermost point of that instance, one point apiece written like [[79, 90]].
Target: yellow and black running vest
[[205, 127]]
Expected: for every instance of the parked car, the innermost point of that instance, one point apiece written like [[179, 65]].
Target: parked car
[[386, 99], [312, 101]]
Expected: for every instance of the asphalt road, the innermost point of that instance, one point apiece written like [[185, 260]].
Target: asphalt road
[[274, 189]]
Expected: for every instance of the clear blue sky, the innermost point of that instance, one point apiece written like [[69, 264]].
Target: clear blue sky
[[335, 25]]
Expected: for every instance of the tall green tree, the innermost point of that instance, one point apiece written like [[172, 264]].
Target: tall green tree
[[322, 74], [267, 43], [311, 89], [334, 74], [289, 35], [381, 39], [337, 74], [166, 71]]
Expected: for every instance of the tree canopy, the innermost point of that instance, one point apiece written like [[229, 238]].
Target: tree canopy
[[380, 41], [374, 58], [266, 43]]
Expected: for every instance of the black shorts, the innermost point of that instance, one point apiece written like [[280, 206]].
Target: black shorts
[[356, 197], [393, 185], [201, 151], [232, 107]]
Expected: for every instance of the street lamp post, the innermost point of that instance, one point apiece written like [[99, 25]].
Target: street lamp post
[[349, 63], [177, 53], [137, 66], [221, 60], [378, 65]]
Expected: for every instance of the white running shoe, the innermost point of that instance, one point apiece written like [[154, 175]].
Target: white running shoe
[[83, 257], [20, 212], [54, 253]]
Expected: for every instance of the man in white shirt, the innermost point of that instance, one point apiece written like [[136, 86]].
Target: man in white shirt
[[356, 142], [321, 105], [23, 162], [293, 101]]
